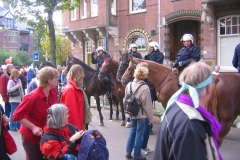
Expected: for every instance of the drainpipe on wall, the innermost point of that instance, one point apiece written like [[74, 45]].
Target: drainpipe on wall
[[107, 24], [159, 23]]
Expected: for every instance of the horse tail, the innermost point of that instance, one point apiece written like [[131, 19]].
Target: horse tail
[[212, 105], [114, 100]]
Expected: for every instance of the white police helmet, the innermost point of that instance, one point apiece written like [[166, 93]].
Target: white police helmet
[[187, 37], [155, 45], [100, 48], [133, 45]]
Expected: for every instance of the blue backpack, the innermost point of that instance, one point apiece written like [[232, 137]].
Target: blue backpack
[[93, 146]]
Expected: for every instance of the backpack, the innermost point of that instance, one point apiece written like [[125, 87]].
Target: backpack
[[130, 103], [93, 146]]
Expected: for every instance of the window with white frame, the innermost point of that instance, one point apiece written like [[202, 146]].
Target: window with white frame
[[113, 8], [83, 9], [100, 42], [137, 6], [228, 38], [88, 47], [73, 12], [141, 44], [13, 36], [14, 50], [94, 8]]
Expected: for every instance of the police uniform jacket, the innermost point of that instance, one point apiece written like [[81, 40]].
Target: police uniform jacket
[[135, 54], [236, 58], [99, 60], [155, 56]]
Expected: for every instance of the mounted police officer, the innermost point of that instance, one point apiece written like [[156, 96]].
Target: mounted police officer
[[99, 59], [154, 53], [190, 52], [133, 51]]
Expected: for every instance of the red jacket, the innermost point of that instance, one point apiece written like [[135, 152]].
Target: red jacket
[[34, 107], [73, 98], [55, 142], [3, 86]]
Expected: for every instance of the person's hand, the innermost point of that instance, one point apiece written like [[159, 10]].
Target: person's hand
[[93, 53], [149, 122], [5, 120], [175, 70], [37, 131], [76, 136]]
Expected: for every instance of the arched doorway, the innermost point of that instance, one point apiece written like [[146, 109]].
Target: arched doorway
[[177, 30]]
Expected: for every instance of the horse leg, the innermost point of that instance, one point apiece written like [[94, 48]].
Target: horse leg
[[99, 110], [111, 110], [122, 123], [117, 111]]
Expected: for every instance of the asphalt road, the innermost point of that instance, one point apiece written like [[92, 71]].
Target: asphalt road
[[116, 137]]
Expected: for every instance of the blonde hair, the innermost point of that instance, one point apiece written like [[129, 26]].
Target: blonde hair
[[140, 73], [194, 74], [76, 73], [45, 74], [14, 73]]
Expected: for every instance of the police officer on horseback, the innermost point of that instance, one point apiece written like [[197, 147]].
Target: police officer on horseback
[[99, 59], [190, 52], [133, 51], [154, 53]]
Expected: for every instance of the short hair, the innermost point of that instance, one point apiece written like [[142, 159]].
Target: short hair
[[16, 67], [8, 66], [140, 73], [194, 74], [14, 73], [56, 115], [76, 73], [45, 74], [45, 64], [142, 64]]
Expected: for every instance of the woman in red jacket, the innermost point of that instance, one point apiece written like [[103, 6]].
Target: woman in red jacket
[[32, 112], [73, 97]]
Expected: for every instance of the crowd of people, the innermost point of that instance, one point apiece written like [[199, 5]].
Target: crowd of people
[[185, 116]]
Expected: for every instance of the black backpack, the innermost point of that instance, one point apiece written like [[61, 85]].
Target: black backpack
[[130, 103]]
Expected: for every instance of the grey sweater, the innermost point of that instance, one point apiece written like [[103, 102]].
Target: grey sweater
[[12, 87]]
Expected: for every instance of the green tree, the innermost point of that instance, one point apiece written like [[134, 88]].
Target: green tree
[[39, 8], [24, 58]]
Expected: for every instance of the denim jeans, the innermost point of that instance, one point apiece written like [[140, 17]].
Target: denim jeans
[[135, 138], [13, 125], [7, 109], [146, 133]]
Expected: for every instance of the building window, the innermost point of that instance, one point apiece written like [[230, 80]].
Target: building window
[[13, 36], [113, 8], [83, 9], [14, 50], [10, 23], [73, 12], [100, 42], [228, 38], [137, 6], [88, 48], [94, 8], [141, 44]]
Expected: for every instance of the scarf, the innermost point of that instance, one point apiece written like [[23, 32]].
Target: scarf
[[215, 125]]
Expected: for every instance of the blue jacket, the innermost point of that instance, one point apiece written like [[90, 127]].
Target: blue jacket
[[156, 56], [186, 55], [99, 60], [30, 75], [135, 54], [236, 58]]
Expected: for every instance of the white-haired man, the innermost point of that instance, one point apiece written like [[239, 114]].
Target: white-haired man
[[188, 131], [190, 52]]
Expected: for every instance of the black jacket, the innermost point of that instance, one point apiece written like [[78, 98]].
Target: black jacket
[[187, 55], [155, 56], [135, 54], [236, 58], [99, 60], [184, 134]]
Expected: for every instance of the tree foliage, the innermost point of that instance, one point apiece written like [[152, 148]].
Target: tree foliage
[[21, 58], [43, 14]]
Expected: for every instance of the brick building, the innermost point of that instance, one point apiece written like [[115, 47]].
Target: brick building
[[14, 35], [215, 25]]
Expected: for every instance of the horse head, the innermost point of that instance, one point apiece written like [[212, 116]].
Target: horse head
[[69, 64], [105, 69], [123, 64], [128, 74]]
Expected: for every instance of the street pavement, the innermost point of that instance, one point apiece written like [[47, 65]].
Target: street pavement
[[116, 137]]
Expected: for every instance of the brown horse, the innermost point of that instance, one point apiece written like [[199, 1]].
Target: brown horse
[[123, 65], [110, 66], [92, 86], [224, 103]]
